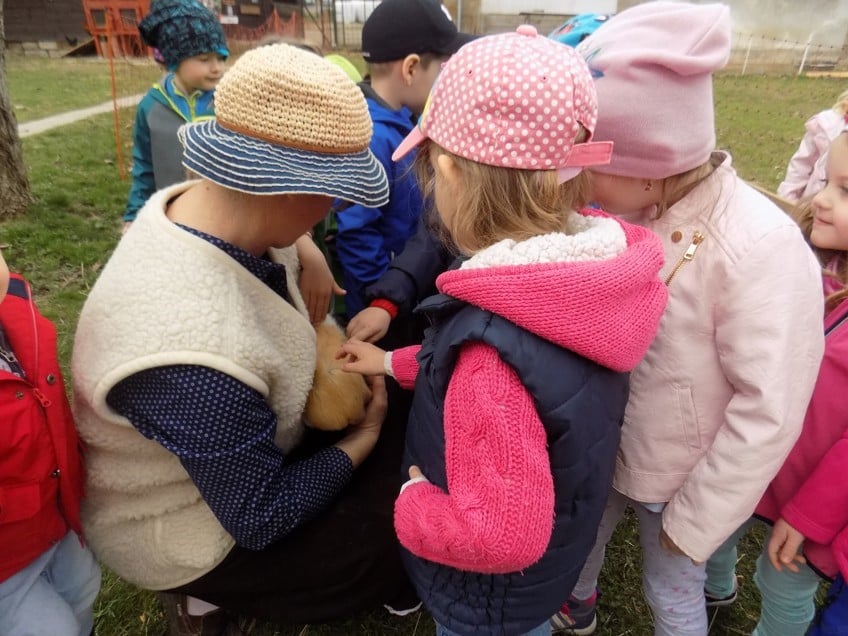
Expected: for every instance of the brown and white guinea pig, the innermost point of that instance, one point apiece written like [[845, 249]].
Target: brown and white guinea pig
[[337, 397]]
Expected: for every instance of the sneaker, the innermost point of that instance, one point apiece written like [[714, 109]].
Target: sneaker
[[721, 601], [576, 617], [402, 611], [216, 623]]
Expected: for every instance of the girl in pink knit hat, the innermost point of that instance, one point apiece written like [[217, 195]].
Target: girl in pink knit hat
[[521, 381], [719, 399]]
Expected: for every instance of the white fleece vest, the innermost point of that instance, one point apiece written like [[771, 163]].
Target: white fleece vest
[[168, 297]]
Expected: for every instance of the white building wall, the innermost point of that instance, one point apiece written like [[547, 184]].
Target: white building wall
[[822, 22]]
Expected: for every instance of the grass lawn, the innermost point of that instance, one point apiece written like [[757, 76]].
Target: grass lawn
[[69, 232], [42, 87]]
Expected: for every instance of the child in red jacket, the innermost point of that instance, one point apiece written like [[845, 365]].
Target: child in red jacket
[[48, 578]]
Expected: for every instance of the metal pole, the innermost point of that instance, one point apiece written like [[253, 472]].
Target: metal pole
[[804, 57], [747, 53], [459, 14]]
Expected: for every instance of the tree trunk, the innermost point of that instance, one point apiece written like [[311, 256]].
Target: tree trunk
[[14, 187]]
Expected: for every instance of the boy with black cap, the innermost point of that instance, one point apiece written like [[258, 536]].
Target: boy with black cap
[[404, 43], [194, 49]]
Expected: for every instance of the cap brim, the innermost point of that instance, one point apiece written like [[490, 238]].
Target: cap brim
[[253, 166], [583, 155], [412, 140], [462, 39], [590, 153]]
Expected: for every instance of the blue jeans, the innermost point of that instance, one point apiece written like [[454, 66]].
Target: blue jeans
[[788, 598], [832, 620], [52, 595], [542, 630]]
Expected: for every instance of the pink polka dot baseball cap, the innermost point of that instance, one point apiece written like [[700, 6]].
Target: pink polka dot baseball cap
[[514, 100]]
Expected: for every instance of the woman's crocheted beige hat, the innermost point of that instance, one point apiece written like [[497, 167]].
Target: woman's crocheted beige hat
[[287, 121]]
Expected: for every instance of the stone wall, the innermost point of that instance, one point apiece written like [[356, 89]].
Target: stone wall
[[41, 48]]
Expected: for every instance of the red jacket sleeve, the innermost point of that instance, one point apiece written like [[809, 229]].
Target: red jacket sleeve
[[497, 515]]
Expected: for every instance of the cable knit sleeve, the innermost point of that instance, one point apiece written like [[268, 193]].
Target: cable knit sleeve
[[405, 365], [498, 514]]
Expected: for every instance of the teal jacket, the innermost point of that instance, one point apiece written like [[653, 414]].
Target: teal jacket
[[157, 153]]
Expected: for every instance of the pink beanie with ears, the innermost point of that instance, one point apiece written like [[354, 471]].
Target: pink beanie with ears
[[653, 67]]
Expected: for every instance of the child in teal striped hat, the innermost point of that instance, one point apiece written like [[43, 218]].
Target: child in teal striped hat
[[194, 50]]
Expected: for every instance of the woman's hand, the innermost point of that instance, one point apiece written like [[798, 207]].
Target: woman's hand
[[362, 357], [361, 437], [369, 325], [784, 546], [316, 282]]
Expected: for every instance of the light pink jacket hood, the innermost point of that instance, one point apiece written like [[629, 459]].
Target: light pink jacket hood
[[806, 170]]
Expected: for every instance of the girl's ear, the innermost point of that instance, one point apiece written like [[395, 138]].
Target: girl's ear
[[449, 171]]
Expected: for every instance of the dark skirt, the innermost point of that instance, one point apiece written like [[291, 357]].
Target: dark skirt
[[345, 561]]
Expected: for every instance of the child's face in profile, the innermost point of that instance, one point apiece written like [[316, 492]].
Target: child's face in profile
[[200, 73], [422, 83], [830, 205], [4, 277]]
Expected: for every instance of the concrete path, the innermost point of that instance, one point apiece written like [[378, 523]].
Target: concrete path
[[40, 125]]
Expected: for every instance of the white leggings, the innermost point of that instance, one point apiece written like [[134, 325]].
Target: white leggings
[[673, 585]]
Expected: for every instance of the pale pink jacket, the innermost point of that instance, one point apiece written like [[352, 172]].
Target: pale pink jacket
[[805, 173], [719, 399]]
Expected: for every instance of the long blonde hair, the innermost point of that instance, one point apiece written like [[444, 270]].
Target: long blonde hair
[[803, 215], [499, 203]]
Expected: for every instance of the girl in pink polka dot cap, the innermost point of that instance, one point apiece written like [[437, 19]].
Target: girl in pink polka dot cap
[[521, 381], [514, 100]]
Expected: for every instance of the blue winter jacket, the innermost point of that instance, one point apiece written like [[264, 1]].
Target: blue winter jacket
[[411, 276], [368, 238], [157, 153]]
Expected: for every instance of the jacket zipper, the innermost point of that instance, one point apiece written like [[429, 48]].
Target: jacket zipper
[[836, 324], [45, 401], [688, 255]]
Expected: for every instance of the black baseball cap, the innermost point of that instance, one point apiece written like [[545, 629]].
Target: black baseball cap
[[397, 28]]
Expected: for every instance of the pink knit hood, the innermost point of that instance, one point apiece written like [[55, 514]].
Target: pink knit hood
[[600, 302]]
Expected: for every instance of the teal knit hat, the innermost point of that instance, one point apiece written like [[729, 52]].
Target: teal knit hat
[[181, 29]]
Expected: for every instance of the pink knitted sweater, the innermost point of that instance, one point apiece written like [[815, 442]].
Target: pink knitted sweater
[[595, 292]]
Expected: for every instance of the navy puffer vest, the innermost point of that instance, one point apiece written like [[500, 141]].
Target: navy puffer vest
[[581, 405]]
